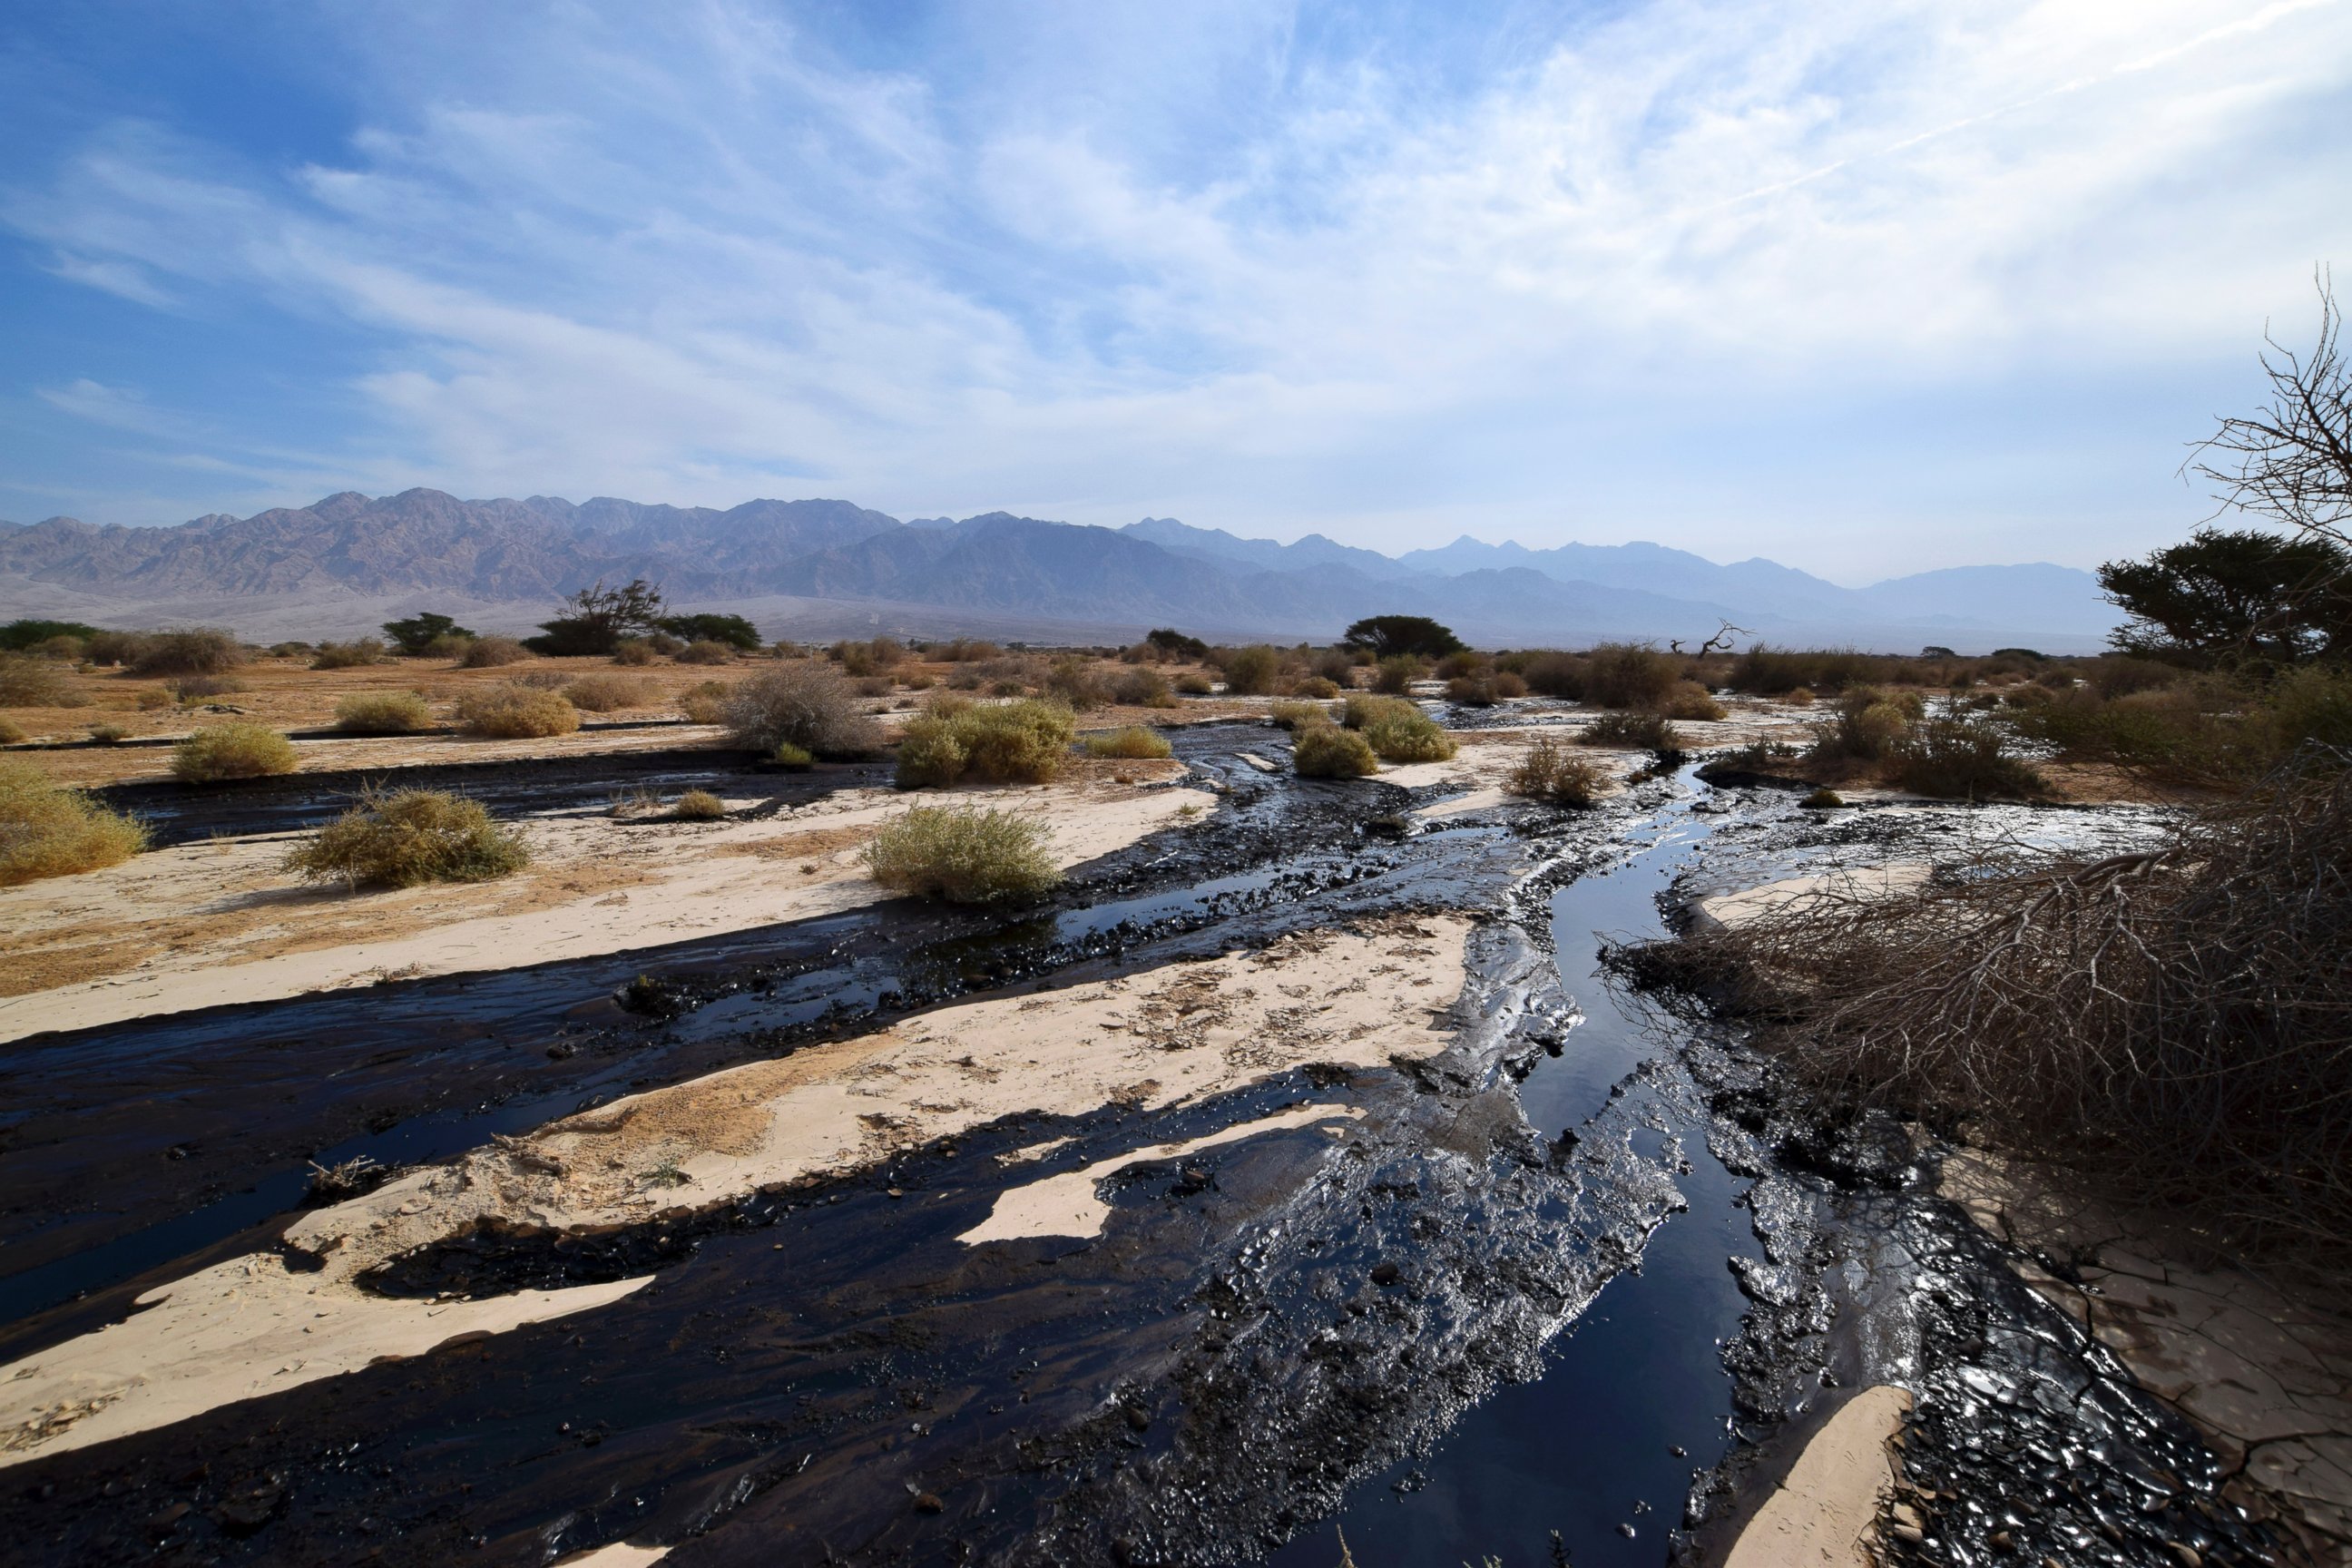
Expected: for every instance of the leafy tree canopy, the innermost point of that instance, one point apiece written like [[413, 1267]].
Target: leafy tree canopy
[[594, 620], [2229, 596], [1172, 641], [733, 630], [419, 632], [1389, 636], [24, 634]]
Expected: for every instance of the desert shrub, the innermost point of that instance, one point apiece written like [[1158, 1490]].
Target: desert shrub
[[108, 734], [965, 650], [27, 681], [1463, 662], [787, 755], [1141, 687], [1955, 760], [1194, 684], [1329, 751], [1773, 672], [663, 644], [20, 635], [2120, 675], [120, 647], [1508, 683], [1689, 700], [408, 838], [1823, 799], [2307, 706], [708, 651], [1802, 697], [1298, 715], [491, 653], [349, 654], [1396, 674], [516, 713], [48, 831], [1252, 671], [1628, 675], [232, 751], [807, 703], [1553, 674], [204, 650], [1396, 730], [1866, 723], [1471, 691], [1314, 686], [1642, 730], [1022, 741], [866, 658], [872, 686], [11, 732], [1134, 740], [705, 703], [601, 693], [2170, 1024], [196, 687], [449, 645], [972, 856], [289, 650], [1336, 665], [65, 648], [384, 713], [633, 652], [1550, 772], [698, 805], [1076, 682]]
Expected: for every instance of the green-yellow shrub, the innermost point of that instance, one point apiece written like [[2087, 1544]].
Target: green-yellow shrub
[[1134, 740], [384, 713], [974, 855], [1023, 742], [408, 838], [1550, 773], [698, 805], [1397, 731], [516, 713], [1329, 751], [49, 831], [232, 751]]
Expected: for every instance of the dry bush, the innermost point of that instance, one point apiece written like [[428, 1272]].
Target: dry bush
[[408, 838], [1315, 686], [384, 713], [873, 686], [1866, 724], [29, 682], [1329, 751], [1078, 683], [1396, 674], [965, 650], [787, 755], [1134, 740], [1253, 671], [1194, 684], [1470, 691], [48, 831], [1464, 662], [805, 703], [634, 652], [448, 645], [1644, 731], [120, 647], [491, 653], [1955, 760], [289, 650], [2172, 1023], [1549, 771], [972, 856], [1297, 715], [603, 694], [1552, 674], [11, 732], [1774, 672], [706, 651], [1689, 700], [867, 659], [2120, 675], [515, 712], [705, 703], [698, 805], [108, 734], [1334, 665], [232, 751], [203, 651], [1628, 675], [1141, 687], [1396, 731], [64, 647], [349, 654], [1507, 684], [196, 687], [1023, 742]]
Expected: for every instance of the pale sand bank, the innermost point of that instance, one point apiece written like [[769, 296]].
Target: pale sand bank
[[1825, 1514]]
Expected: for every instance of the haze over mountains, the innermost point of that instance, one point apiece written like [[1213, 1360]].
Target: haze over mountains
[[824, 568]]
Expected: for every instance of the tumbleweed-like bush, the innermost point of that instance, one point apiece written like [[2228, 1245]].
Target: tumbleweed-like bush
[[350, 654], [972, 856], [204, 650], [698, 805], [516, 713], [1648, 731], [804, 703], [1550, 772], [384, 713], [409, 838], [1329, 751], [49, 831], [232, 751], [1134, 740], [610, 693], [491, 652]]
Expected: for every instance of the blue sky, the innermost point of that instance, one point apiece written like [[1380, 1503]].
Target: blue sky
[[1866, 287]]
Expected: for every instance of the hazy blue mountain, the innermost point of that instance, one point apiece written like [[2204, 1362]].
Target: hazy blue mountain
[[1314, 550]]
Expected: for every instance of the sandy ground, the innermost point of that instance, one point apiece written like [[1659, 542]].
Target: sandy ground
[[1834, 889], [1825, 1514], [1351, 996], [203, 924]]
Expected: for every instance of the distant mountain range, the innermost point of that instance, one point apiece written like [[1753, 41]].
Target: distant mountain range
[[349, 556]]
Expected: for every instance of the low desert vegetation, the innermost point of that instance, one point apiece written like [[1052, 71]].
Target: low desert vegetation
[[27, 681], [1689, 700], [1141, 687], [635, 652], [516, 713], [1134, 740], [610, 693], [1631, 730], [31, 632], [11, 732], [1396, 731], [1253, 671], [805, 703], [203, 650], [384, 713], [787, 755], [1193, 683], [108, 734], [708, 650], [49, 831], [232, 751], [428, 635], [1550, 773], [705, 703], [408, 838], [1020, 742], [698, 805], [196, 687], [492, 653], [1298, 715], [965, 855], [1325, 751], [1956, 760], [349, 654]]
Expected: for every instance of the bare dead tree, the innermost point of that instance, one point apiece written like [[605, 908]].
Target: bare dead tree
[[1721, 639], [2292, 461]]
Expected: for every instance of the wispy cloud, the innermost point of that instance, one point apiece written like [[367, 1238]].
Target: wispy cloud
[[1663, 274]]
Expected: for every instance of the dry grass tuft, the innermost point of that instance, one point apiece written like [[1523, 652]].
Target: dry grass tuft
[[1550, 772], [409, 838], [516, 713], [706, 651], [974, 855], [29, 682], [1648, 731], [48, 831], [492, 653], [610, 693], [1134, 740], [1689, 700], [350, 654], [232, 751], [698, 805], [11, 732], [384, 713]]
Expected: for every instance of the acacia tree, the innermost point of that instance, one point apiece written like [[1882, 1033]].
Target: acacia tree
[[594, 620], [1389, 636], [2227, 594]]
